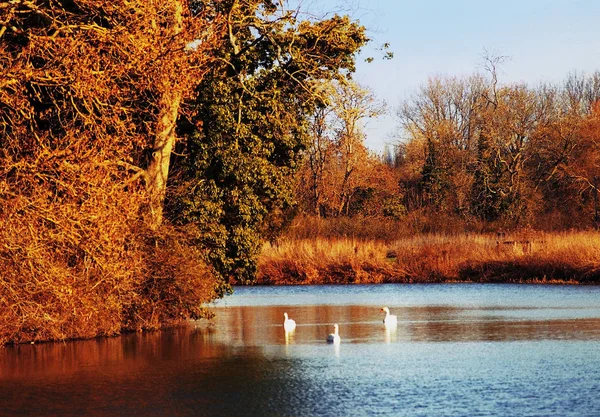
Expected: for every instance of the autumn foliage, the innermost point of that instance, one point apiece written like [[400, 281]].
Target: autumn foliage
[[503, 155], [475, 155], [86, 90], [491, 182], [149, 149]]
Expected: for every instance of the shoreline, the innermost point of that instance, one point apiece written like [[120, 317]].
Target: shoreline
[[416, 282]]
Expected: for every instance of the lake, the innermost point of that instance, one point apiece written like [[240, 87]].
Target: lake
[[458, 350]]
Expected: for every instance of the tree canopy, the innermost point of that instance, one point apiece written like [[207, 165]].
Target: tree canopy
[[250, 125]]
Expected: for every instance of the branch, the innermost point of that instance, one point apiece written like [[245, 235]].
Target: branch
[[139, 172]]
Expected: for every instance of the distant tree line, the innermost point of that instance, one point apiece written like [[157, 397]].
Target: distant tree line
[[474, 152], [339, 176]]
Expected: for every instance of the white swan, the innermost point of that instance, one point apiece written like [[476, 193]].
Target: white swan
[[288, 324], [390, 319], [334, 337]]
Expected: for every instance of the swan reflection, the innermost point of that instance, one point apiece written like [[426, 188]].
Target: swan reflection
[[289, 336], [390, 334], [336, 349]]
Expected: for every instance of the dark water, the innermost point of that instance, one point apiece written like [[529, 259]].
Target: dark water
[[458, 350]]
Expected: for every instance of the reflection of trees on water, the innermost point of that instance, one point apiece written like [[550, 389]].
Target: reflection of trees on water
[[241, 364], [131, 352], [149, 374], [263, 325], [258, 326]]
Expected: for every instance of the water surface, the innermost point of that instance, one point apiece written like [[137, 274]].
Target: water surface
[[458, 350]]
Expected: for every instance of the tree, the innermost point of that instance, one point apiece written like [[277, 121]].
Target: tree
[[319, 154], [507, 122], [585, 170], [89, 95], [95, 71], [560, 152], [337, 165], [563, 161], [351, 105], [251, 124], [443, 117]]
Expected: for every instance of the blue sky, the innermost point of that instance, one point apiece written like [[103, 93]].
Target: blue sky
[[544, 40]]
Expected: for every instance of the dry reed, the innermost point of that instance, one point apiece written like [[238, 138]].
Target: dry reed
[[571, 257]]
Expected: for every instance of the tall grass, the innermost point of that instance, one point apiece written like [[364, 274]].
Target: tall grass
[[571, 257]]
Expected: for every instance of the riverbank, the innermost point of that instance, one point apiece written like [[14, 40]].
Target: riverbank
[[532, 257]]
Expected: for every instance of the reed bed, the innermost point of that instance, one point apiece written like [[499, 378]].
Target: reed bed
[[568, 257]]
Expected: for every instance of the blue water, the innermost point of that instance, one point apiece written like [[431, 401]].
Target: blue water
[[458, 350]]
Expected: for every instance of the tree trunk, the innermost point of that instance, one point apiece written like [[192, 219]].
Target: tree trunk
[[157, 172], [596, 209]]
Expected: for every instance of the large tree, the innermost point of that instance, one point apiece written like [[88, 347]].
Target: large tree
[[109, 74], [251, 122], [90, 91]]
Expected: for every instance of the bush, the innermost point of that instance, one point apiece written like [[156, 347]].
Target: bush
[[76, 257]]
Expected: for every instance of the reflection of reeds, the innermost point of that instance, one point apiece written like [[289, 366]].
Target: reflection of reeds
[[526, 257]]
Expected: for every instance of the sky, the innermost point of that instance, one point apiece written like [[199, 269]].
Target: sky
[[543, 40]]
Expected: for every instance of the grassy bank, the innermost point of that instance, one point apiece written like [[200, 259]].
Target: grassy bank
[[571, 257]]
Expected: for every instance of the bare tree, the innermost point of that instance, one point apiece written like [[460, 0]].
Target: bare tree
[[337, 160]]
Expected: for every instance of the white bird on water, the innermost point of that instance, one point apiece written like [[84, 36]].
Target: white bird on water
[[334, 337], [288, 324], [390, 320]]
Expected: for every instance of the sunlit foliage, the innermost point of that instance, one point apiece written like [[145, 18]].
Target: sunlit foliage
[[88, 90]]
